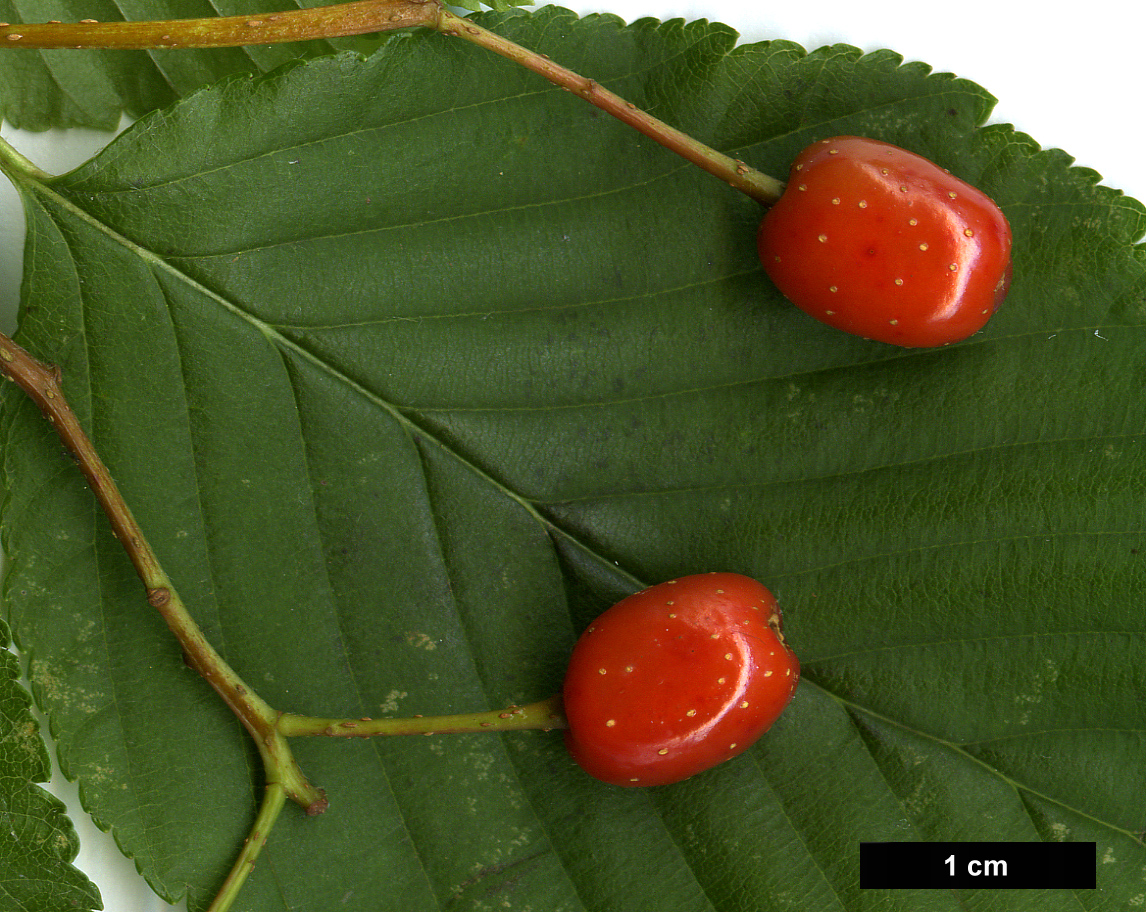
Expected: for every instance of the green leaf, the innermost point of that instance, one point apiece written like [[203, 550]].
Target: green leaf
[[409, 365], [37, 841]]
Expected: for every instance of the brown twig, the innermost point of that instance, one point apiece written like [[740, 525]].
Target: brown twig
[[42, 383], [341, 20]]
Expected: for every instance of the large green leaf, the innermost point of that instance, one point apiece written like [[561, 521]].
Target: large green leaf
[[409, 365]]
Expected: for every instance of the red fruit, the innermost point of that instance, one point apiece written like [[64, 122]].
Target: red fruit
[[880, 242], [676, 679]]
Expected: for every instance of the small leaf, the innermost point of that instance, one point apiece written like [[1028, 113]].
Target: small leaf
[[37, 841], [409, 365]]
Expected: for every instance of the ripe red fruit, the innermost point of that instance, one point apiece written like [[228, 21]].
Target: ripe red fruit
[[676, 679], [880, 242]]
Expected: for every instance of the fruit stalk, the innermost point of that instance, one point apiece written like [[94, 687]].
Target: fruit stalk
[[735, 173], [544, 715]]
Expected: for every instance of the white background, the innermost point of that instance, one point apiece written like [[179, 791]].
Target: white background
[[1068, 75]]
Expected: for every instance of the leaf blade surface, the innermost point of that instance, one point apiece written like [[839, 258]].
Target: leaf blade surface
[[409, 365]]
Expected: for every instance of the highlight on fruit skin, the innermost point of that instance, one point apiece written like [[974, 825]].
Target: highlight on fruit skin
[[882, 243], [676, 679]]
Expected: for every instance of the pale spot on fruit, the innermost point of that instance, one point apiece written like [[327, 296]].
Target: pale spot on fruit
[[663, 751], [954, 267], [610, 723], [732, 746], [744, 705], [823, 238], [913, 222], [721, 680], [836, 201], [728, 656], [899, 281], [601, 671], [830, 313], [922, 246], [629, 669], [951, 194], [893, 322], [833, 288], [802, 187], [967, 232], [691, 713], [903, 189], [768, 674], [863, 204]]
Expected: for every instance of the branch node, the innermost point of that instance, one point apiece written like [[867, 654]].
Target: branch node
[[318, 806]]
